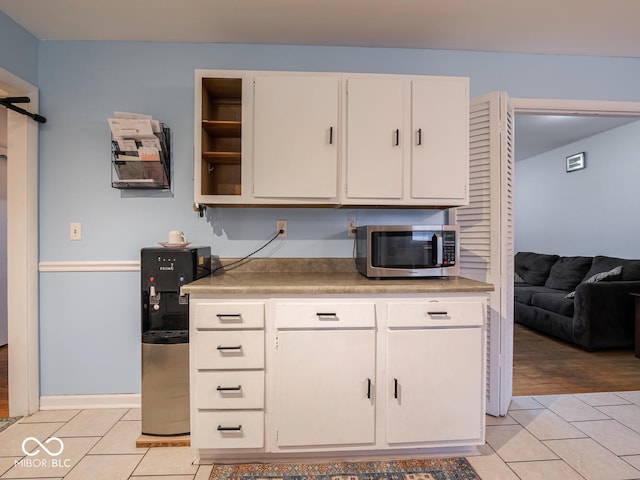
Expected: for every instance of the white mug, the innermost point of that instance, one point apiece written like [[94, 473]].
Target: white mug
[[176, 237]]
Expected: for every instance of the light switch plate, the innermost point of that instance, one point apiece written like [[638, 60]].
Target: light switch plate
[[75, 231]]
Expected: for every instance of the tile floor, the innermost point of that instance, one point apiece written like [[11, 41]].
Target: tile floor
[[554, 437]]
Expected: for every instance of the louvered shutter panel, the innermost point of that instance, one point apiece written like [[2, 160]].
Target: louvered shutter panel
[[486, 234]]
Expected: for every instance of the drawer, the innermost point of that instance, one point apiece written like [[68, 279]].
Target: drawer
[[230, 390], [229, 349], [435, 314], [229, 430], [219, 315], [325, 315]]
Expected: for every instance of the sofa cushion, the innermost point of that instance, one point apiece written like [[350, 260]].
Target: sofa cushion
[[524, 293], [568, 272], [554, 302], [534, 268], [613, 274], [601, 263]]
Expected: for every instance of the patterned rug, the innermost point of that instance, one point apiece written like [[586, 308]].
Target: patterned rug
[[428, 469], [7, 422]]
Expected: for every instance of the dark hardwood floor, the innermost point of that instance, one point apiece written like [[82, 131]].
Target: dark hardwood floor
[[541, 366], [545, 366]]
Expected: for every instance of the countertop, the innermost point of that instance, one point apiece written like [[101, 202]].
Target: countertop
[[319, 277]]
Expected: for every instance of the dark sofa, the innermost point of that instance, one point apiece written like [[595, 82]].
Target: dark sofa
[[582, 300]]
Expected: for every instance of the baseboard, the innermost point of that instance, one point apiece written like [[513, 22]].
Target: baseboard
[[72, 402]]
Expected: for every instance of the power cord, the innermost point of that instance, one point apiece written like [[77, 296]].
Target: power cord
[[278, 233]]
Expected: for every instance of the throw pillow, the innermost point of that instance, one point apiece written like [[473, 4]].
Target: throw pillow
[[568, 272], [534, 267], [613, 274]]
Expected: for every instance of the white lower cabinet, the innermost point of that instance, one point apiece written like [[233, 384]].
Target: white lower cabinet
[[379, 374], [228, 429], [227, 375], [324, 374], [434, 385]]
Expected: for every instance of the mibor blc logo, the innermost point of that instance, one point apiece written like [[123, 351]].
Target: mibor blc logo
[[52, 446]]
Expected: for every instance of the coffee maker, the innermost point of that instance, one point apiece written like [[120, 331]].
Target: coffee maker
[[165, 335]]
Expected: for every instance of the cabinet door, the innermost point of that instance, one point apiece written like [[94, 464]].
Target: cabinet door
[[375, 115], [435, 385], [295, 136], [440, 138], [325, 391]]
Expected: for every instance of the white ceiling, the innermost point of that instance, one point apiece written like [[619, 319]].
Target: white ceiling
[[581, 27], [572, 27], [536, 134]]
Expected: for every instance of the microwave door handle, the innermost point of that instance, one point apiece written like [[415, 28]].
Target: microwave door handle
[[437, 249]]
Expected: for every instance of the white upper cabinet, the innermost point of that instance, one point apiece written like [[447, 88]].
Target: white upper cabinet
[[295, 137], [308, 138], [375, 149], [406, 140], [440, 139]]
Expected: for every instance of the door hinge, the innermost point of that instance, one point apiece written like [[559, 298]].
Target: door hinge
[[277, 435], [276, 342]]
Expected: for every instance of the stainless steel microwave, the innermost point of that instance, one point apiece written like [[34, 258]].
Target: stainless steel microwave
[[390, 251]]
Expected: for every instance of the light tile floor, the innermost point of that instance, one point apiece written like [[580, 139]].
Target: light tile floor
[[556, 437]]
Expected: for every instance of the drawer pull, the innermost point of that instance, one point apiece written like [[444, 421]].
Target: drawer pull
[[438, 314], [229, 389], [368, 388], [229, 317], [229, 429], [327, 316], [395, 388], [236, 347]]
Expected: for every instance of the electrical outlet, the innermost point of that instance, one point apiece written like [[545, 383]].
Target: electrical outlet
[[75, 231], [281, 228], [352, 223]]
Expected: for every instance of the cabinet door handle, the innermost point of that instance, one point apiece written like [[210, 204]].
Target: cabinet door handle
[[330, 135], [438, 314], [227, 317], [397, 135], [235, 347], [368, 388], [229, 429], [395, 388], [419, 141], [327, 316], [229, 389]]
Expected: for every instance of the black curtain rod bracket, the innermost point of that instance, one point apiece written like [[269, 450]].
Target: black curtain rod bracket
[[8, 102]]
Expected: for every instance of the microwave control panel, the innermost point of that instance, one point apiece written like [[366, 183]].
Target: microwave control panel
[[448, 248]]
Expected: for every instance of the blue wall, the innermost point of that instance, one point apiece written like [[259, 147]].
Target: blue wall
[[19, 51], [588, 212], [89, 322]]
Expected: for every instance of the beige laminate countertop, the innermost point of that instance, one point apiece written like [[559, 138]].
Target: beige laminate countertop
[[319, 278]]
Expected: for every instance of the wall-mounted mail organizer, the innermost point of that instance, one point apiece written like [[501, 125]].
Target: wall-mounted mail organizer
[[140, 157]]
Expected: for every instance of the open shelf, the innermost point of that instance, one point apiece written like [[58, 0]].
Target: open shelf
[[221, 136], [222, 128], [222, 158]]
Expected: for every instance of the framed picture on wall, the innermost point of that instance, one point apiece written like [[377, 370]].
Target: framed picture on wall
[[575, 162]]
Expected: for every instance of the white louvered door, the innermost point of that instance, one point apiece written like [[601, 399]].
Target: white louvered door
[[486, 234]]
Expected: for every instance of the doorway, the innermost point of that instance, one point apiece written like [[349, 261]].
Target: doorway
[[583, 371], [22, 249]]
